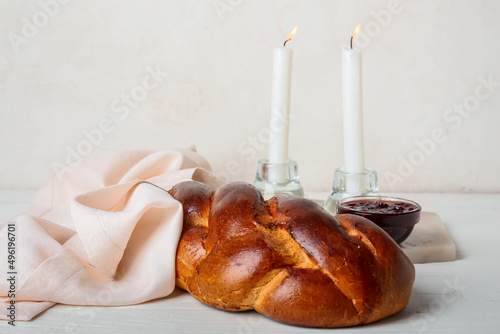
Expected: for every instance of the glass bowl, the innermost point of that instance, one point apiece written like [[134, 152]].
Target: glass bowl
[[396, 216]]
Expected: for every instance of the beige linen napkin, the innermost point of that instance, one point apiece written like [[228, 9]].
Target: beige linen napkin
[[103, 233]]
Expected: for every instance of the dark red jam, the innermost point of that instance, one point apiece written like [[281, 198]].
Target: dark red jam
[[395, 216], [376, 206]]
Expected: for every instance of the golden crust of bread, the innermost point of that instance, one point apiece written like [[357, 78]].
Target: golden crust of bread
[[287, 258]]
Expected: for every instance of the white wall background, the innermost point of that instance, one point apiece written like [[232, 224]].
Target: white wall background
[[66, 67]]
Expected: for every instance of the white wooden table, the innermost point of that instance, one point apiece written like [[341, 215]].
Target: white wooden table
[[462, 296]]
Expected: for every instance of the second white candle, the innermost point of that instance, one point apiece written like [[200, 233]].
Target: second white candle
[[353, 111]]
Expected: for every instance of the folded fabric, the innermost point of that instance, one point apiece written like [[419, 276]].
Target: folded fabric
[[102, 233]]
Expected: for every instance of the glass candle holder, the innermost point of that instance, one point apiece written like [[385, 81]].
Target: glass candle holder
[[272, 178], [351, 184]]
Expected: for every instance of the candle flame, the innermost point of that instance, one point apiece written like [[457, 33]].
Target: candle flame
[[356, 32], [291, 36]]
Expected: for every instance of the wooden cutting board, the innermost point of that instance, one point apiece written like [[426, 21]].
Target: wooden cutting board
[[430, 241]]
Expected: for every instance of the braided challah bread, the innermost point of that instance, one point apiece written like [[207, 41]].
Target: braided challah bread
[[287, 258]]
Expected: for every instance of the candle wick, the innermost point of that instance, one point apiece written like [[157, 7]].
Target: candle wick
[[351, 42], [284, 44]]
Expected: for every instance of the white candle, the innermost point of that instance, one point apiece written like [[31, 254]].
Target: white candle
[[353, 115], [280, 109]]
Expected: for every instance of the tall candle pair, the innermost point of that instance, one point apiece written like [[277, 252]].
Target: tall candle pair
[[352, 109]]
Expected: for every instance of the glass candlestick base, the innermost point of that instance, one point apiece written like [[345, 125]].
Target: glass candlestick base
[[272, 179], [351, 184]]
